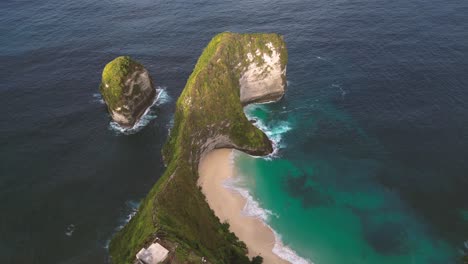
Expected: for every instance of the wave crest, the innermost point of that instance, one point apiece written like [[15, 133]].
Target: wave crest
[[275, 130], [286, 252], [252, 208], [162, 97], [97, 98]]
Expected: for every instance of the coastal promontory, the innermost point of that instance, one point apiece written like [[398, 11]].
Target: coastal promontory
[[127, 89], [233, 70]]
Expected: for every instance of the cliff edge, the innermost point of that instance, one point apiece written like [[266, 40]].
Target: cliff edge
[[233, 70]]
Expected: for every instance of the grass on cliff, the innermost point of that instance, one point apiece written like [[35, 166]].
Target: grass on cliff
[[175, 209], [113, 75]]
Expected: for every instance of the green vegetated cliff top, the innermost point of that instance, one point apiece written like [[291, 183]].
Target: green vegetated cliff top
[[208, 115], [114, 75]]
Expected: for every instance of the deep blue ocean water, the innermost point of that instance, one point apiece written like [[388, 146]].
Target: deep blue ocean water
[[376, 155]]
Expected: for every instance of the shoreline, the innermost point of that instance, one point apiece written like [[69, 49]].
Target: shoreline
[[214, 169]]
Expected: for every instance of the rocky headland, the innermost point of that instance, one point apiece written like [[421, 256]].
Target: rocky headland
[[233, 70]]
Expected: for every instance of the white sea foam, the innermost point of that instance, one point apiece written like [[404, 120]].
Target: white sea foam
[[131, 209], [170, 125], [106, 244], [286, 252], [322, 58], [150, 114], [69, 230], [252, 208], [133, 212], [342, 91], [273, 129], [97, 98]]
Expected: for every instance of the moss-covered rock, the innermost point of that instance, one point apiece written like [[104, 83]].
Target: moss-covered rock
[[209, 114], [127, 89]]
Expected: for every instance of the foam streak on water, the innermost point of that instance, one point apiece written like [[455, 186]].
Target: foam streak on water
[[274, 130], [286, 252], [252, 208], [131, 209], [150, 114], [70, 229], [97, 98]]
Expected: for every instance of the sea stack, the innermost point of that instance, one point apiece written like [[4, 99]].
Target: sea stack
[[127, 89]]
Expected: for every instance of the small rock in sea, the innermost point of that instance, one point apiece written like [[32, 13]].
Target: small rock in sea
[[127, 89]]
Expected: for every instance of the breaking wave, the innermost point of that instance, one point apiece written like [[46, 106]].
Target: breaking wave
[[286, 252], [275, 130], [130, 210], [252, 208], [69, 230], [97, 98], [162, 97]]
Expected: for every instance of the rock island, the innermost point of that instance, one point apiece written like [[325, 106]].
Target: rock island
[[127, 89]]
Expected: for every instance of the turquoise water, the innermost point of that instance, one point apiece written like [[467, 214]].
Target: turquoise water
[[324, 201]]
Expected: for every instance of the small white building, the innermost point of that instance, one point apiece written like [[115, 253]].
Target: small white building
[[154, 254]]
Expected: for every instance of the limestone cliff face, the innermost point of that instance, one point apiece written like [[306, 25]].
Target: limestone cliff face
[[127, 89], [233, 70], [264, 77]]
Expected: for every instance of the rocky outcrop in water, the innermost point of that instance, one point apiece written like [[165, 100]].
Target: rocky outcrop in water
[[127, 89]]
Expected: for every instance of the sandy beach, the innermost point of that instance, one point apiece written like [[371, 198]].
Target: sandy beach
[[214, 169]]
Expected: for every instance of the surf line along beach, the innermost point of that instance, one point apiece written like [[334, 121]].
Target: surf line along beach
[[214, 169]]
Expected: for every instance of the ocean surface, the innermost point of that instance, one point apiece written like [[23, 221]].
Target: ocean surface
[[372, 135]]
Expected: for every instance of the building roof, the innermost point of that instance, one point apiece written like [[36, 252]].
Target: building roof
[[153, 254]]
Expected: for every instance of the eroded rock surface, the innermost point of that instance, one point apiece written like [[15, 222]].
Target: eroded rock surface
[[264, 79], [127, 89]]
